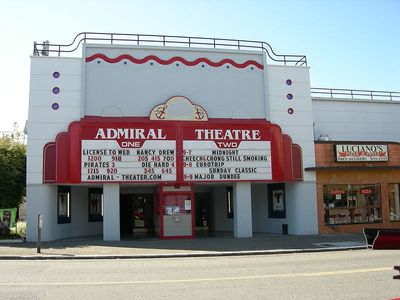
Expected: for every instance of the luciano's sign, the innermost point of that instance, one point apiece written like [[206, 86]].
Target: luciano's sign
[[361, 152]]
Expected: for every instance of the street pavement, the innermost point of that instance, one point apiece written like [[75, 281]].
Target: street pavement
[[220, 244]]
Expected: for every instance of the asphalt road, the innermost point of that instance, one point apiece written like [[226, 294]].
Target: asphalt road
[[357, 274]]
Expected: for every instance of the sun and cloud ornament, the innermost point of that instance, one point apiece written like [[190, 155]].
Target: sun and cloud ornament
[[178, 108]]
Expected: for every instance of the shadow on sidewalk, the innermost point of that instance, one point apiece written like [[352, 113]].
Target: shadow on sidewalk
[[218, 242]]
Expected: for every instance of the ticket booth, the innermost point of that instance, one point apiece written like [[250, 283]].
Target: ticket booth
[[176, 212]]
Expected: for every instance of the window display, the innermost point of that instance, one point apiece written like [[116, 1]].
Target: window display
[[276, 200], [348, 204], [394, 202], [64, 204], [177, 204], [95, 204]]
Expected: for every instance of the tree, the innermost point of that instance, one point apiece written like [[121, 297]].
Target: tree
[[12, 172]]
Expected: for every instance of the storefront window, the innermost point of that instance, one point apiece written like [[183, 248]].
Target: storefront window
[[394, 202], [177, 204], [349, 204], [95, 205], [276, 200], [64, 204]]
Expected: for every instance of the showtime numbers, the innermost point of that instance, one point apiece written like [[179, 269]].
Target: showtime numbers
[[187, 152], [94, 158], [167, 171], [93, 171], [116, 158], [105, 161], [148, 171], [156, 160], [188, 177], [143, 158], [226, 160], [111, 170], [187, 164]]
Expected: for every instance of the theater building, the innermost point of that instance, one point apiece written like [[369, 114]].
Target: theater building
[[174, 137], [168, 136]]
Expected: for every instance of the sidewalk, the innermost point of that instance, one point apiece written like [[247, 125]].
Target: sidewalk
[[219, 245]]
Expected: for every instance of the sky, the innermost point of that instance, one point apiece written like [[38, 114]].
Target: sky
[[351, 44]]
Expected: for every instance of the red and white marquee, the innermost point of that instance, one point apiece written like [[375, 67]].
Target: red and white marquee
[[171, 150]]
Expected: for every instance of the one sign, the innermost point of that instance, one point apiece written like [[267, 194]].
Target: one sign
[[226, 154], [130, 154], [361, 152]]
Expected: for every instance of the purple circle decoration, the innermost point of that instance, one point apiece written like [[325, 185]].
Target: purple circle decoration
[[55, 106], [56, 74], [289, 96], [290, 111], [56, 90], [289, 82]]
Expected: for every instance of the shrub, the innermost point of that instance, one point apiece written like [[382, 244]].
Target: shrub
[[21, 228]]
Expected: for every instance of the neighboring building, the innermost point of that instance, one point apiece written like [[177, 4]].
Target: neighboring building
[[357, 159], [178, 136]]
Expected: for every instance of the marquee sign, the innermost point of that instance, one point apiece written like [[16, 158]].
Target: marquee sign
[[361, 152], [172, 150], [128, 154], [145, 153], [237, 153]]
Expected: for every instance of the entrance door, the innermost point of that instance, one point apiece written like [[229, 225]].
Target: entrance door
[[136, 215], [202, 211], [177, 215]]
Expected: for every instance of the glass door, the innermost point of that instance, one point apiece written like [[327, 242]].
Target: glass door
[[136, 215], [202, 213]]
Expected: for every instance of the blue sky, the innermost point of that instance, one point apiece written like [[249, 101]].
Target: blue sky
[[348, 43]]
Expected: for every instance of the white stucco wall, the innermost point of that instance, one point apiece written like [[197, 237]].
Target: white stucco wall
[[301, 207], [134, 89], [242, 220], [111, 218], [44, 124], [357, 120], [301, 199], [299, 125], [261, 220], [43, 200]]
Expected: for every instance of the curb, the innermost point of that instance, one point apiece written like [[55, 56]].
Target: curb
[[11, 241], [178, 255]]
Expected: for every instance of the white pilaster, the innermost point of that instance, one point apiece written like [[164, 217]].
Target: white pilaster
[[111, 220], [42, 199], [301, 206], [242, 210]]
